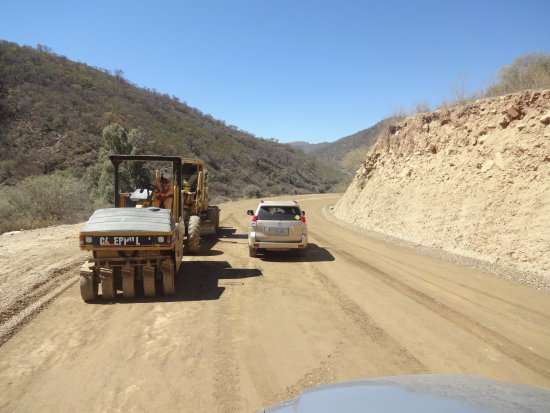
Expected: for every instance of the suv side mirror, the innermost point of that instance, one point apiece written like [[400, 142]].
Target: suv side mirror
[[303, 213], [250, 212]]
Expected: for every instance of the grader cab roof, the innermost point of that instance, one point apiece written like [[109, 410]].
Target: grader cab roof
[[126, 220]]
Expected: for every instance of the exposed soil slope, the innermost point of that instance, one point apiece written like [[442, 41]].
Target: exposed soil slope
[[473, 180]]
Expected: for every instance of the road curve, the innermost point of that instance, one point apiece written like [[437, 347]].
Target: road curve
[[242, 333]]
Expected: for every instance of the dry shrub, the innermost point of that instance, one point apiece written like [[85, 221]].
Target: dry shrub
[[44, 200], [530, 71]]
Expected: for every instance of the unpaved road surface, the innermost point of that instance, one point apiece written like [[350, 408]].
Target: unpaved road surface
[[242, 333]]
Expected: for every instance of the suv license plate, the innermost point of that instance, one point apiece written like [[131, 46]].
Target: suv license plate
[[279, 231]]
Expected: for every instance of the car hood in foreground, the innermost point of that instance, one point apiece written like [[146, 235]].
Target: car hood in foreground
[[451, 393]]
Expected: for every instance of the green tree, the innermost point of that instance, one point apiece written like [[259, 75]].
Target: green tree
[[275, 189], [132, 175], [251, 191]]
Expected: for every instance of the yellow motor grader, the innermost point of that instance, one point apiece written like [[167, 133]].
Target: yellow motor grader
[[137, 247], [200, 217]]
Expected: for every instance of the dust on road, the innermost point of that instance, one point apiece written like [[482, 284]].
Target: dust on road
[[242, 333]]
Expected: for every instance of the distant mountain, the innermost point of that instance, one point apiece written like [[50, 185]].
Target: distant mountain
[[346, 154], [307, 147], [52, 112]]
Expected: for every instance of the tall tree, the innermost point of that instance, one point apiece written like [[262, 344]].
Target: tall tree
[[132, 175]]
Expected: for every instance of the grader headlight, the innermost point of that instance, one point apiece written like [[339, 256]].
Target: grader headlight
[[85, 239], [164, 239]]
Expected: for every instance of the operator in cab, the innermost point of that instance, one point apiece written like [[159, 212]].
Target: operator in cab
[[164, 191]]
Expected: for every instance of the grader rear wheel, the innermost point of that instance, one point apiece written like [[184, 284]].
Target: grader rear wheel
[[108, 289], [149, 281], [88, 282], [194, 230], [217, 220], [128, 282], [168, 279], [88, 288]]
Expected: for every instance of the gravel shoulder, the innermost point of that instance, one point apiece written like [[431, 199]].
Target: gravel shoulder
[[534, 280]]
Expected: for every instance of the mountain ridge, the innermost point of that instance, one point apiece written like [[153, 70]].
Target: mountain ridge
[[347, 153], [53, 111]]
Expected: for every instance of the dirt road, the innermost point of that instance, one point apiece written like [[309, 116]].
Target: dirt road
[[242, 333]]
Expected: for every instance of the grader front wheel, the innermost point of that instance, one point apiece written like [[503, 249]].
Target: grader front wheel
[[194, 230]]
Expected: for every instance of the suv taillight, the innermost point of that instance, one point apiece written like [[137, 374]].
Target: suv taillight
[[303, 219], [255, 218]]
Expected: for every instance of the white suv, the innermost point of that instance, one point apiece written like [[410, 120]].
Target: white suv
[[277, 225]]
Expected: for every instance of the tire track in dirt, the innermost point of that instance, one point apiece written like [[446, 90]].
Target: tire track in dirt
[[514, 351], [202, 283], [366, 324], [36, 299], [358, 323], [256, 362], [254, 357], [510, 303], [405, 268], [261, 374]]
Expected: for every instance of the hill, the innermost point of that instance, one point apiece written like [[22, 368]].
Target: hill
[[470, 179], [347, 153], [350, 151], [307, 147], [52, 112]]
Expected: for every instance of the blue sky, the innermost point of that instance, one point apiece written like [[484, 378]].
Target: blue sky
[[292, 70]]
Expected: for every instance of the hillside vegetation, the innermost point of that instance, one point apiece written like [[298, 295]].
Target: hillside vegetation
[[53, 111], [347, 153]]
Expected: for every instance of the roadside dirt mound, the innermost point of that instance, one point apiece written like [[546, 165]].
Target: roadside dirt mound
[[35, 267], [472, 180]]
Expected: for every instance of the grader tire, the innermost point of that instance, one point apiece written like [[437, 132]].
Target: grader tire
[[217, 222], [214, 216], [194, 234], [88, 282], [88, 288], [108, 289], [149, 282], [128, 283], [168, 286]]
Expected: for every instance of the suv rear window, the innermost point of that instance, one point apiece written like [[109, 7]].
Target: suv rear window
[[278, 213]]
